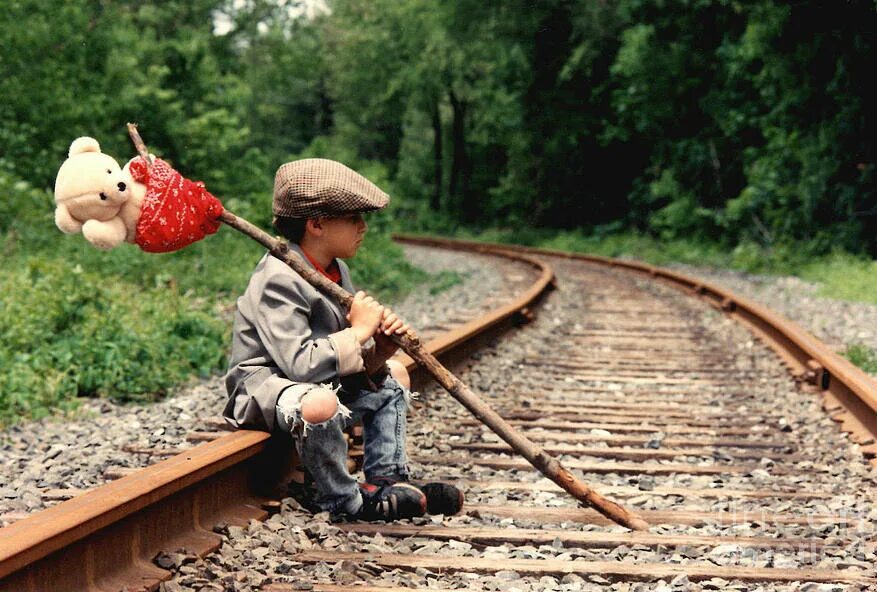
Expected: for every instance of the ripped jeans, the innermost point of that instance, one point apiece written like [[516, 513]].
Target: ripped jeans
[[323, 447]]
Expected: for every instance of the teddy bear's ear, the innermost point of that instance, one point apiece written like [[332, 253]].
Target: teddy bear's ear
[[83, 144]]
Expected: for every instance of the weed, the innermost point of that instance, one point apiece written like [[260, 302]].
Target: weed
[[443, 281], [862, 356]]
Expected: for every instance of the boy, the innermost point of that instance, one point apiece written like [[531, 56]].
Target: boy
[[294, 348]]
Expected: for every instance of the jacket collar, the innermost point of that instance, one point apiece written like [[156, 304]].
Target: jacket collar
[[346, 283]]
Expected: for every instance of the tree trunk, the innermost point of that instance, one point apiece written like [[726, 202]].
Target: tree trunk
[[325, 113], [459, 185], [438, 157]]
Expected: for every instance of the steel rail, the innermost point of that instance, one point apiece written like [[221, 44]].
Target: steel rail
[[849, 395], [106, 538]]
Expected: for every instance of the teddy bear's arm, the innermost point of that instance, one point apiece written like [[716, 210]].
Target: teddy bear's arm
[[65, 222], [105, 235], [130, 213]]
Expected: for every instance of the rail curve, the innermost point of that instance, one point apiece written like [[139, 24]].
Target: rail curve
[[849, 394]]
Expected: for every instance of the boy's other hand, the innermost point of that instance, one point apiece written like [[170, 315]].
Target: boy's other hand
[[365, 316], [391, 323]]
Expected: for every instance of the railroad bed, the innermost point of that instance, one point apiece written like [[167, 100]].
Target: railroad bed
[[658, 401]]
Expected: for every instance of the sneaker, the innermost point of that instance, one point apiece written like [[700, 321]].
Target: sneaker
[[391, 501], [441, 498]]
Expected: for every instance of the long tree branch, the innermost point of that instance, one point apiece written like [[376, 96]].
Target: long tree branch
[[411, 345]]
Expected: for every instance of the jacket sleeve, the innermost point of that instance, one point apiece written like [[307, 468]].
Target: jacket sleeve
[[283, 322]]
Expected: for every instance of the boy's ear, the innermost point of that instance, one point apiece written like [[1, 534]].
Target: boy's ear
[[314, 226]]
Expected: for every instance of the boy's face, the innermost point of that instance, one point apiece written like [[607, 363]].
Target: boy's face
[[343, 236]]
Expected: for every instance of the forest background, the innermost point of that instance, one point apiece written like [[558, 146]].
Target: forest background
[[738, 132]]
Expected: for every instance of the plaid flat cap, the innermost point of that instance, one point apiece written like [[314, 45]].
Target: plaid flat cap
[[315, 187]]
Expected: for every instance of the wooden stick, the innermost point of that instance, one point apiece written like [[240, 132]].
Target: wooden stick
[[138, 144], [411, 345]]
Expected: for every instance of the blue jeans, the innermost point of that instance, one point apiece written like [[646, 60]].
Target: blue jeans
[[323, 447]]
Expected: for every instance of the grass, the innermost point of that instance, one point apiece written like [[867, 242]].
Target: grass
[[844, 277], [444, 281], [67, 333], [862, 356]]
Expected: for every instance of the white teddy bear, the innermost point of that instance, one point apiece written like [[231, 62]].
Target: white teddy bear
[[93, 195], [149, 204]]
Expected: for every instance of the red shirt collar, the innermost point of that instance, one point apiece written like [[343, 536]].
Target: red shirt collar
[[333, 273]]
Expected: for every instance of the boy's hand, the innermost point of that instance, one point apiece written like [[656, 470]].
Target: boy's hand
[[364, 316], [390, 324]]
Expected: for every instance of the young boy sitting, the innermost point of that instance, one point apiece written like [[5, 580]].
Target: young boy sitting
[[301, 365]]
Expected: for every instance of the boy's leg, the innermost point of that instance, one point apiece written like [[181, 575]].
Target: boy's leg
[[384, 426], [323, 451], [322, 448], [384, 432], [400, 373]]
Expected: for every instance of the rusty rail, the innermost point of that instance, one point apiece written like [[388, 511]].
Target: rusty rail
[[848, 394]]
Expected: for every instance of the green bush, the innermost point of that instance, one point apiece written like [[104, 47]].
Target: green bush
[[380, 268], [67, 332]]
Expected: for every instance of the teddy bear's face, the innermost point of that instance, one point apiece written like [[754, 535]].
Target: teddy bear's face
[[91, 185]]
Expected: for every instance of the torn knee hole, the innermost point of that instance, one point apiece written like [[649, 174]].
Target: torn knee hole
[[319, 405], [304, 406]]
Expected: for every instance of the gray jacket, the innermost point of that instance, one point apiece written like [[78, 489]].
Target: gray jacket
[[286, 331]]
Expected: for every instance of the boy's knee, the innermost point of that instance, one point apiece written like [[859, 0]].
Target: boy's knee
[[303, 405], [399, 372], [319, 405]]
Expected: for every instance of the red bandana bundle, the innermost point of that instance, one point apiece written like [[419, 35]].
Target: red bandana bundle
[[176, 212]]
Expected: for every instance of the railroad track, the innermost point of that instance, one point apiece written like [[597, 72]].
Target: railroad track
[[660, 402]]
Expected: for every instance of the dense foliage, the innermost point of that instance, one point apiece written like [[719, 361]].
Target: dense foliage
[[716, 119], [731, 120], [741, 124]]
